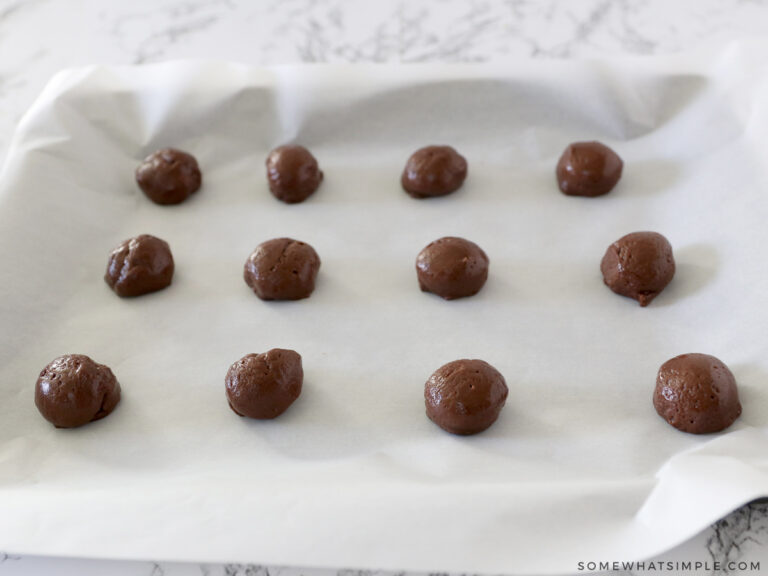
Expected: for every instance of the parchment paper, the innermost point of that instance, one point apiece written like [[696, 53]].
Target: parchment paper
[[579, 467]]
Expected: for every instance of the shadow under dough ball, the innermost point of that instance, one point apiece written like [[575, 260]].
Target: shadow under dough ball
[[434, 171], [74, 390], [452, 268], [263, 386], [696, 393], [588, 169], [140, 265], [282, 269], [293, 174], [639, 266], [465, 396], [169, 176]]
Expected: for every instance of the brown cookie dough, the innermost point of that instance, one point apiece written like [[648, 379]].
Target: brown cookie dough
[[588, 169], [282, 269], [139, 265], [292, 173], [696, 393], [263, 386], [639, 266], [465, 396], [74, 390], [169, 176], [434, 171], [452, 268]]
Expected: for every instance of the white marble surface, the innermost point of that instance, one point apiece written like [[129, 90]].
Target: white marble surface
[[40, 37]]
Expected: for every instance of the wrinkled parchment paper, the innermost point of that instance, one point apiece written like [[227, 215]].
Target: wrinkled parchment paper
[[579, 467]]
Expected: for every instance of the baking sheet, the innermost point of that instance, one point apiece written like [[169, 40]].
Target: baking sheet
[[578, 468]]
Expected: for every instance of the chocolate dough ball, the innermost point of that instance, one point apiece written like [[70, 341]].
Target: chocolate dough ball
[[139, 265], [465, 396], [696, 393], [292, 173], [282, 269], [434, 171], [452, 268], [262, 386], [588, 169], [74, 390], [639, 266], [169, 176]]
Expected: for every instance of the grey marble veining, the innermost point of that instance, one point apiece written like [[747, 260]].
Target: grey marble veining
[[748, 526], [39, 37]]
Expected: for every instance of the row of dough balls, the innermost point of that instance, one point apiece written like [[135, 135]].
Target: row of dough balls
[[639, 265], [695, 393], [170, 176]]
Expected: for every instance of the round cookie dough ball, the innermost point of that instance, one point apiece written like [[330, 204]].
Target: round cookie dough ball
[[697, 393], [282, 269], [434, 171], [263, 386], [293, 174], [139, 265], [452, 268], [588, 169], [639, 266], [74, 390], [465, 396], [169, 176]]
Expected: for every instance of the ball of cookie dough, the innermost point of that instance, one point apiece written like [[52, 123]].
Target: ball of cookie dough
[[282, 269], [697, 393], [434, 171], [639, 266], [74, 390], [465, 396], [588, 169], [293, 174], [452, 268], [263, 386], [169, 176], [139, 265]]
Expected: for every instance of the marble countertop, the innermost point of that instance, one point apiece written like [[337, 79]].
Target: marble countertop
[[40, 37]]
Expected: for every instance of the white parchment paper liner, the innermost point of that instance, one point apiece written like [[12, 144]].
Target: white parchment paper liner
[[579, 466]]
